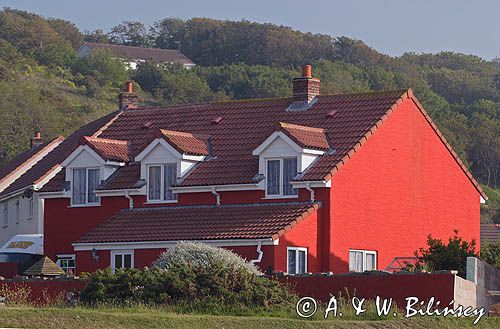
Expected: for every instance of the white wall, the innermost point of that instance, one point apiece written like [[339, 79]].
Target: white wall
[[26, 224]]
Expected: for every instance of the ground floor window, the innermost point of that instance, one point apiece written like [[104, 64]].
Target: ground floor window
[[122, 259], [67, 263], [362, 260], [296, 260]]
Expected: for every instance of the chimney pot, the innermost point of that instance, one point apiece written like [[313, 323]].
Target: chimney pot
[[128, 86], [36, 140], [306, 71]]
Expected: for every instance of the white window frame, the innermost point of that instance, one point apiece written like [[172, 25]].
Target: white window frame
[[364, 253], [18, 210], [282, 181], [66, 257], [5, 214], [296, 250], [86, 203], [121, 253], [162, 182]]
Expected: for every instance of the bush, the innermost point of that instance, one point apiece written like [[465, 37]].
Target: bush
[[188, 274], [490, 253], [452, 256]]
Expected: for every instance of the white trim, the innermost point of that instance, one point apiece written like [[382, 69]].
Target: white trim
[[169, 244], [120, 192], [121, 253], [364, 252], [78, 151], [219, 188], [162, 182], [482, 200], [48, 177], [153, 144], [296, 249], [305, 184]]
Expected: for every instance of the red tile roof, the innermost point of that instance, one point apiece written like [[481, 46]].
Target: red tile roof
[[490, 233], [350, 119], [154, 54], [109, 149], [254, 221], [61, 152], [127, 177], [186, 143], [307, 137]]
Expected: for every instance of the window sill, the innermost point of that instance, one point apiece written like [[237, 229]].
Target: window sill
[[161, 202], [85, 205], [271, 197]]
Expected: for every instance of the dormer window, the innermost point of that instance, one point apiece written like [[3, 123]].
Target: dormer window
[[85, 180], [280, 173], [161, 178]]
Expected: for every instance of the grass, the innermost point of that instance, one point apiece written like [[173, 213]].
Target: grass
[[142, 317]]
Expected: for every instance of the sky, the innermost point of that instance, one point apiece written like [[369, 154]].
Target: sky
[[390, 26]]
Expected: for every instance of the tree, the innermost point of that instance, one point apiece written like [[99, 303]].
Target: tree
[[490, 253], [107, 70], [130, 33], [452, 256]]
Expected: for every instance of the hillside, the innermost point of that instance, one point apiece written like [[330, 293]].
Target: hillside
[[46, 87]]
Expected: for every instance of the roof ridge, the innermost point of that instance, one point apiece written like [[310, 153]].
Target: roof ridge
[[371, 92], [106, 140], [125, 46]]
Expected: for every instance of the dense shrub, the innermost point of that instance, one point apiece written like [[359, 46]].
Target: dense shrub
[[188, 273], [452, 256]]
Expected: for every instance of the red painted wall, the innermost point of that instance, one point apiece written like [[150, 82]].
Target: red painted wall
[[397, 287], [63, 224], [9, 270], [42, 292], [400, 186]]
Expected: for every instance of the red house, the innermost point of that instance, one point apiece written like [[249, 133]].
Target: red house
[[310, 183]]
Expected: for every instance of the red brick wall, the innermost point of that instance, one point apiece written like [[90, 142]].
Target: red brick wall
[[399, 187]]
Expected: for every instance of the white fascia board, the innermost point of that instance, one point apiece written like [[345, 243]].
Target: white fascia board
[[52, 195], [15, 193], [169, 244], [482, 200], [218, 188], [190, 157], [153, 144], [119, 192], [269, 140], [313, 152], [304, 184]]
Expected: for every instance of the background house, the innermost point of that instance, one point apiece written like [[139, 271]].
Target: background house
[[132, 56]]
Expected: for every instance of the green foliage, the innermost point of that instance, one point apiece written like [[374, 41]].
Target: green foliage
[[452, 256], [188, 274], [107, 70], [490, 253]]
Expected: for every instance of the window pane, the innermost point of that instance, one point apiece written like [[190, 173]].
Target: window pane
[[355, 261], [292, 255], [273, 177], [127, 263], [93, 183], [302, 261], [289, 172], [118, 261], [79, 185], [154, 183], [170, 179], [370, 262]]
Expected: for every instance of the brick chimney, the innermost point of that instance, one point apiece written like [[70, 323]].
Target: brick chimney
[[36, 140], [306, 87], [127, 98]]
